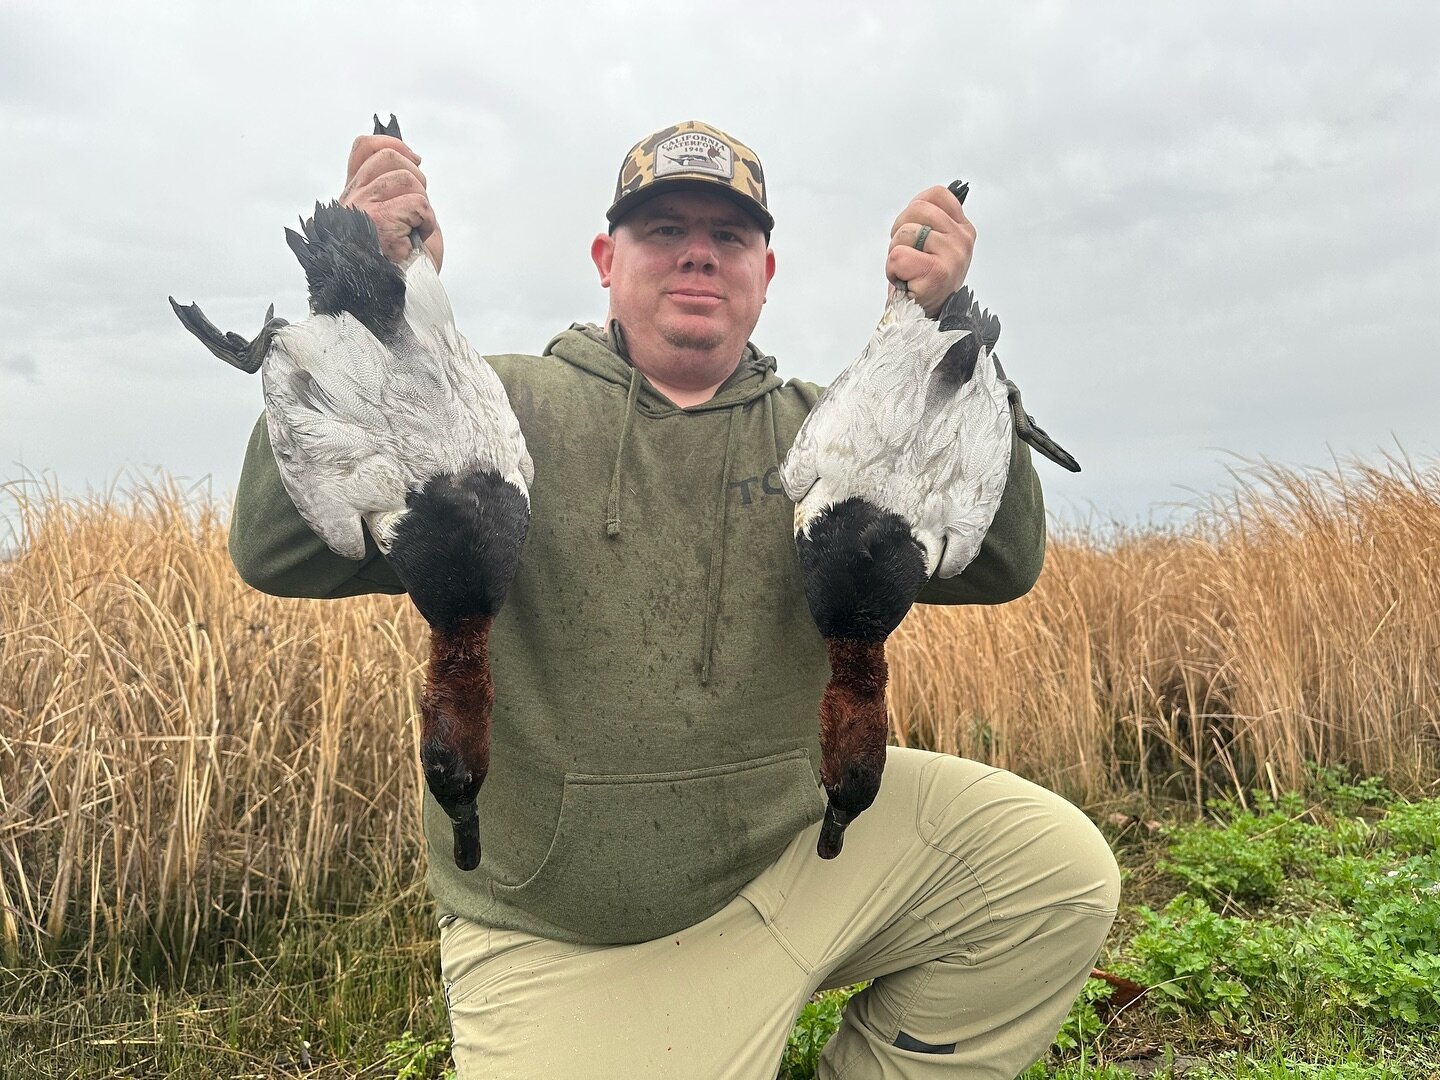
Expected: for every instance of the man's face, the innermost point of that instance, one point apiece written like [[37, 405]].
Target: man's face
[[687, 273]]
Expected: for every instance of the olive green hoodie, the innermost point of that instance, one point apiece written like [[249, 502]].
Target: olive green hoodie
[[657, 671]]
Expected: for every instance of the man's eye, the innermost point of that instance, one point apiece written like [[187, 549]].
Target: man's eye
[[668, 230], [727, 237]]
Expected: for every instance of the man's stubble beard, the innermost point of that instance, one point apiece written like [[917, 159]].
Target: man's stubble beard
[[697, 340]]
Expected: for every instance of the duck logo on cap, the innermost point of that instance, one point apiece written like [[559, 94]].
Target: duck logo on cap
[[694, 151]]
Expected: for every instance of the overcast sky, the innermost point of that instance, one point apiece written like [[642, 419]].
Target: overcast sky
[[1208, 229]]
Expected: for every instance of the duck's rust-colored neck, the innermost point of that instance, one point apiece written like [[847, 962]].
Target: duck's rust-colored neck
[[853, 722], [459, 694]]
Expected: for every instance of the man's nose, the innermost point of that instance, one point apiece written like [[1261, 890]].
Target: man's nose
[[699, 253]]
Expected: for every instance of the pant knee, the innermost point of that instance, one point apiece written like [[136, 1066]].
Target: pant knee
[[1091, 875], [1029, 848]]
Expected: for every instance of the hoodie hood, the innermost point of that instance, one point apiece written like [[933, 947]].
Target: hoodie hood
[[602, 353]]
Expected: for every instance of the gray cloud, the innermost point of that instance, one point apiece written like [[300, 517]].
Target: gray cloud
[[1206, 229], [21, 365]]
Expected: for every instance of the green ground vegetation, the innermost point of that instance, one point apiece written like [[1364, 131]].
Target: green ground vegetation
[[1295, 935]]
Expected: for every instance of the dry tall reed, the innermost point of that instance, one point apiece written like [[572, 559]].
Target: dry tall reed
[[1296, 620], [179, 753]]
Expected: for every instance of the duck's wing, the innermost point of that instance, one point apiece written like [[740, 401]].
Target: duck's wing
[[482, 427], [965, 504], [864, 435], [498, 439], [799, 470], [324, 394], [827, 436], [842, 423]]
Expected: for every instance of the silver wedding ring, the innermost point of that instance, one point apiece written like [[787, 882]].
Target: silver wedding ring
[[921, 236]]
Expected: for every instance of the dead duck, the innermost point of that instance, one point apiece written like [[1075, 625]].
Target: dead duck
[[896, 475], [381, 413]]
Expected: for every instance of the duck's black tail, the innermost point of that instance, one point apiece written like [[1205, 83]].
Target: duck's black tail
[[346, 270], [961, 312]]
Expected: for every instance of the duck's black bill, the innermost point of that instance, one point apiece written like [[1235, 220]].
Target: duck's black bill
[[832, 832], [467, 840]]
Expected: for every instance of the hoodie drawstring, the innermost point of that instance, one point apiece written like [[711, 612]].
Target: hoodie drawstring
[[774, 423], [716, 577], [612, 511]]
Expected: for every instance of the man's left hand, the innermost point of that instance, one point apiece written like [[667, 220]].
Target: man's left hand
[[935, 272]]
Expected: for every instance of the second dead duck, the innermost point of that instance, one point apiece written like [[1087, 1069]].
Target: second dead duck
[[380, 412], [896, 475]]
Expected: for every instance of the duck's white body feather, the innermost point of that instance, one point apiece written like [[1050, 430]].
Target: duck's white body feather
[[357, 424], [880, 433]]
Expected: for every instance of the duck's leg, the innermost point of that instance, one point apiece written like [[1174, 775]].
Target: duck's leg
[[1028, 430], [230, 347], [456, 549], [863, 568], [393, 130]]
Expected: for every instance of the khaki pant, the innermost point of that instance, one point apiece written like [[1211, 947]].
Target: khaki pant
[[976, 900]]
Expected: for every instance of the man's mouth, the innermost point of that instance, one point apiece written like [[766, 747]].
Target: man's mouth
[[695, 297]]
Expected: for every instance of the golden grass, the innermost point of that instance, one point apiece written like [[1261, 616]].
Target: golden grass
[[1297, 620], [179, 753]]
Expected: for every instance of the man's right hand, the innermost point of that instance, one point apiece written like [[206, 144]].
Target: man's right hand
[[383, 179]]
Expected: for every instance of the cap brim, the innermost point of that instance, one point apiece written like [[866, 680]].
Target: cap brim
[[629, 202]]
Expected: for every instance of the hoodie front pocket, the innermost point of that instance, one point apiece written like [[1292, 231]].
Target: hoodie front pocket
[[638, 856]]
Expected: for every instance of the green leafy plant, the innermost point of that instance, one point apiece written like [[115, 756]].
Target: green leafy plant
[[414, 1058], [816, 1023], [1083, 1023], [1346, 795], [1367, 937], [1250, 855]]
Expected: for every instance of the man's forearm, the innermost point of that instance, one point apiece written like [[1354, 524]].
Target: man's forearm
[[277, 553]]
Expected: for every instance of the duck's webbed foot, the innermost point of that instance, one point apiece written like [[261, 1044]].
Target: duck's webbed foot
[[1029, 431], [229, 346]]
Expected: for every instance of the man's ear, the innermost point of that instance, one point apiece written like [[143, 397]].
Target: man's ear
[[769, 273], [602, 253]]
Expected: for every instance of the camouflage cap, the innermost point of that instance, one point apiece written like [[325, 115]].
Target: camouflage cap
[[686, 153]]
